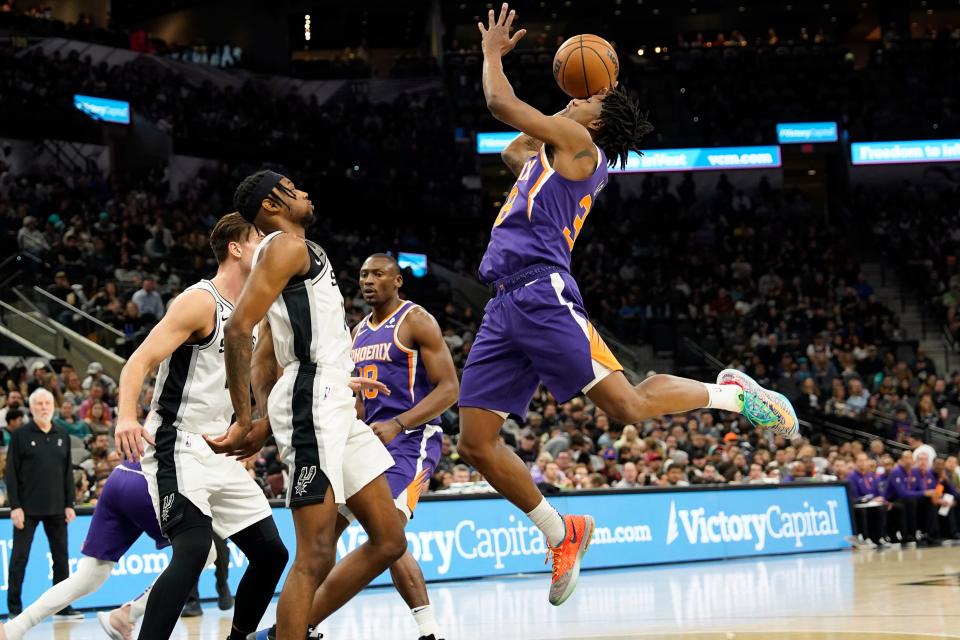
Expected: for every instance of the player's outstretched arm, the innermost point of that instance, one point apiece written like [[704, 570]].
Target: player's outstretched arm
[[191, 314], [421, 331], [557, 131], [284, 258]]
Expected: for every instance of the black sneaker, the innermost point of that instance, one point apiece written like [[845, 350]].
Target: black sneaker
[[192, 610], [429, 637], [224, 599], [68, 613]]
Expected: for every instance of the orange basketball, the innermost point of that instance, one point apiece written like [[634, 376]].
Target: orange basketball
[[585, 65]]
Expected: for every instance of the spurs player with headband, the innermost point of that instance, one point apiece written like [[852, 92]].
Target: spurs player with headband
[[332, 456], [196, 492], [535, 328]]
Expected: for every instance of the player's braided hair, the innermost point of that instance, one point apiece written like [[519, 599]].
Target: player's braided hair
[[245, 191], [624, 126]]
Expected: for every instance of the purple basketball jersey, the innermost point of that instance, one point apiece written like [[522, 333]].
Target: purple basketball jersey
[[541, 219], [378, 354]]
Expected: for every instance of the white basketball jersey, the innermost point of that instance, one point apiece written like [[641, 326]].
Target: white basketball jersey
[[191, 391], [308, 321]]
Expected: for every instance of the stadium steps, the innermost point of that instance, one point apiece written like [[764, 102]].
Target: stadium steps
[[30, 322], [890, 292]]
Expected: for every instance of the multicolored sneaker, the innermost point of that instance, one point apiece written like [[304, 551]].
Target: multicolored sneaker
[[763, 407], [567, 555]]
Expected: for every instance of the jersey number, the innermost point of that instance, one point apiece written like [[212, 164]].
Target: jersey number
[[370, 371], [585, 203], [512, 196]]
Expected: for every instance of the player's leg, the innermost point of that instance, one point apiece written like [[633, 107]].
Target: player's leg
[[415, 457], [369, 499], [192, 541], [373, 506], [89, 576], [266, 558], [224, 597], [315, 528]]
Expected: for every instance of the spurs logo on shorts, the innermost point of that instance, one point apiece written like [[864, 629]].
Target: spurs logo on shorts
[[166, 506], [307, 474]]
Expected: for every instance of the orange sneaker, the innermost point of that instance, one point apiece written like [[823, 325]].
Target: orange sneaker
[[567, 556]]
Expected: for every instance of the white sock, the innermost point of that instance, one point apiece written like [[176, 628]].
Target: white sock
[[139, 606], [549, 522], [89, 576], [425, 621], [724, 396]]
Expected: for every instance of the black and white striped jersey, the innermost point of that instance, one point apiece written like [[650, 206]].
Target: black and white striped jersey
[[307, 319], [191, 390]]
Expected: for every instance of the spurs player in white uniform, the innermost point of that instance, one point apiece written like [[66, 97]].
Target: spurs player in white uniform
[[332, 457], [196, 492]]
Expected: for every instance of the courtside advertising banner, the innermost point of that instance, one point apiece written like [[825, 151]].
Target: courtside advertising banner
[[905, 152], [459, 538], [656, 160]]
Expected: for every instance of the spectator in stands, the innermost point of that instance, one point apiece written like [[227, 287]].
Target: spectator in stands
[[67, 419], [920, 448], [95, 420], [630, 479], [96, 397], [947, 522], [39, 370], [876, 449], [31, 240], [40, 487], [148, 301], [15, 419], [539, 468], [952, 469], [95, 374], [858, 396], [674, 476], [927, 413], [14, 401], [528, 448], [73, 389]]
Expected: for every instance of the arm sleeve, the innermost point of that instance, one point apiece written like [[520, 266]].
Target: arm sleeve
[[13, 461]]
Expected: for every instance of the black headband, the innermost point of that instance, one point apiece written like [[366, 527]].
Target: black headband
[[264, 188]]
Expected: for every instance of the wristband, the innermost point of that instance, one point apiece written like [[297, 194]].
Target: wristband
[[402, 426]]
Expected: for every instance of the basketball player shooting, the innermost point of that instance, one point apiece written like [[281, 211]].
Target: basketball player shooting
[[535, 328]]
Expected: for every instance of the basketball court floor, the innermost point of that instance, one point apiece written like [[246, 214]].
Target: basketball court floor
[[896, 594]]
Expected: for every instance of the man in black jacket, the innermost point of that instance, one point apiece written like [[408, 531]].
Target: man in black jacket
[[40, 489]]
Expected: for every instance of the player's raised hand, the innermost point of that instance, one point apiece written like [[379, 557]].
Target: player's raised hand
[[495, 37], [358, 383], [128, 438]]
